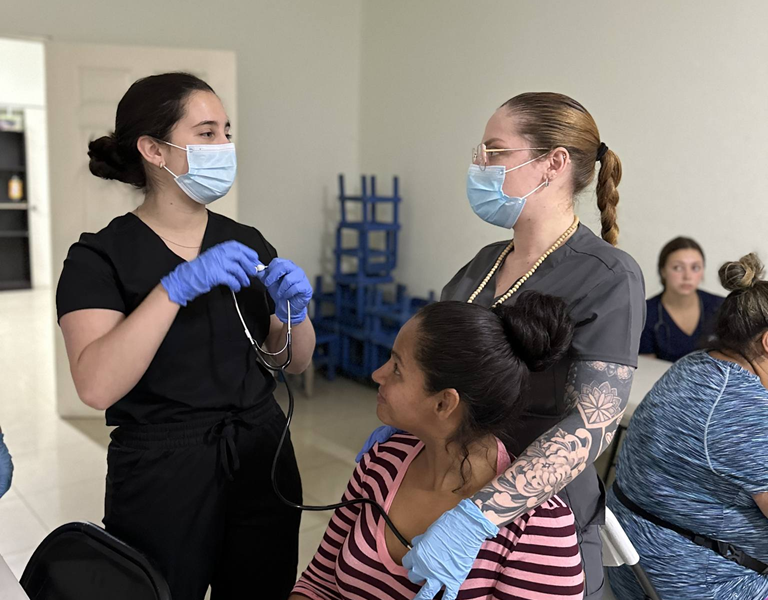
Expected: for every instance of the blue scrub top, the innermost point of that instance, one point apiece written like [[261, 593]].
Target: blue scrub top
[[662, 337]]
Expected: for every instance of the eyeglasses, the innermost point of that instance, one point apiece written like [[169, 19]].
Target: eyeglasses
[[480, 154]]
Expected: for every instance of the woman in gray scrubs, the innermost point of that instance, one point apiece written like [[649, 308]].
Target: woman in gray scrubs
[[538, 153]]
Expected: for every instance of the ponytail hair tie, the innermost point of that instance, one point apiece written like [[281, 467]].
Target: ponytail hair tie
[[601, 150]]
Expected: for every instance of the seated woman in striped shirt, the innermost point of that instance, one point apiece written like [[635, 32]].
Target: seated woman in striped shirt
[[455, 381]]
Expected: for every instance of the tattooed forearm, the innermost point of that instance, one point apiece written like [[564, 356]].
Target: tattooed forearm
[[598, 392], [602, 401]]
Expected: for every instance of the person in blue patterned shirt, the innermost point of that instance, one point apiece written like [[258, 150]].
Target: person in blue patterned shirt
[[691, 486]]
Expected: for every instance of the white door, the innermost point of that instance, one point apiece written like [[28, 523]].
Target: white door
[[84, 84], [36, 142]]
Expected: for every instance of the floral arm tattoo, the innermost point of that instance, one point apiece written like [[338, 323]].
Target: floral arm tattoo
[[598, 393]]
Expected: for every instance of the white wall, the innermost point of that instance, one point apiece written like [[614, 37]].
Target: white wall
[[22, 76], [298, 92], [678, 89]]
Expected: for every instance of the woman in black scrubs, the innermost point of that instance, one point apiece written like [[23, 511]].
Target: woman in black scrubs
[[153, 337], [538, 153], [682, 318]]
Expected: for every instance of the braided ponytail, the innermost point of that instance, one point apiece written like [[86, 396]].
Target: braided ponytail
[[608, 196], [550, 120]]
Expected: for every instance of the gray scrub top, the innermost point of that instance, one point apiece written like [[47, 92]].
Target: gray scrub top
[[605, 292]]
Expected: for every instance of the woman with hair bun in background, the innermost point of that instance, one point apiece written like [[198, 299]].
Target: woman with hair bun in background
[[681, 318], [691, 486]]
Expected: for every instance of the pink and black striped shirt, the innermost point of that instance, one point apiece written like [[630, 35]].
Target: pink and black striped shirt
[[536, 557]]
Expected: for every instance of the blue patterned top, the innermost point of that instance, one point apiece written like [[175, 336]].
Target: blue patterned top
[[694, 455]]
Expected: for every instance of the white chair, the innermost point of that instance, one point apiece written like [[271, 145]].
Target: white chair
[[9, 587], [618, 551]]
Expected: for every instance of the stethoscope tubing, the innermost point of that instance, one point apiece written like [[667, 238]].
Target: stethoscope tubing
[[261, 355]]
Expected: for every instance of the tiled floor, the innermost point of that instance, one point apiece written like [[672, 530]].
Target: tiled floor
[[60, 465]]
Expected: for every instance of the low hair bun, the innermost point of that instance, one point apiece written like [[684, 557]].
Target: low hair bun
[[108, 162], [538, 329], [741, 274]]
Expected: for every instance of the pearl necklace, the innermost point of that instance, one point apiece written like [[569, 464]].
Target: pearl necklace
[[525, 277]]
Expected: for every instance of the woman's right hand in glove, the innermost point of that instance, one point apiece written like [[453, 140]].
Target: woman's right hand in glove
[[229, 263]]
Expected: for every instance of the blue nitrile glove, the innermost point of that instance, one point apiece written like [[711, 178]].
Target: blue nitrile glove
[[286, 282], [444, 555], [6, 467], [379, 436], [229, 263]]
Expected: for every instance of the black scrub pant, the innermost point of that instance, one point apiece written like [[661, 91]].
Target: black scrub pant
[[196, 498], [586, 497]]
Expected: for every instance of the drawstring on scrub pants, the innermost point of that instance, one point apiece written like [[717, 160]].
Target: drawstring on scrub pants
[[224, 431], [261, 355]]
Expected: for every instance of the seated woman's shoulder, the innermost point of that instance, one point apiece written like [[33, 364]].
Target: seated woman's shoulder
[[712, 301], [401, 441], [394, 451], [554, 508], [552, 518], [652, 303], [547, 534]]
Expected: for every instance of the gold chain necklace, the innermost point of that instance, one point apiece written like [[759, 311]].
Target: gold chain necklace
[[179, 245], [136, 212], [525, 277]]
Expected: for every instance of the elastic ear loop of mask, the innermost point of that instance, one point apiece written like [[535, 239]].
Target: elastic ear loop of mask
[[544, 183], [260, 352], [163, 165]]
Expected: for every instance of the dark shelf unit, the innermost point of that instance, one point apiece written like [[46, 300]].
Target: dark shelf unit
[[15, 263]]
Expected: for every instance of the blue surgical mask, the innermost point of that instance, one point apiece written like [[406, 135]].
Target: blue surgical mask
[[211, 173], [487, 198]]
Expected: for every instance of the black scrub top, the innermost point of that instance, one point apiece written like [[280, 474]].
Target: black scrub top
[[205, 365], [605, 293], [662, 337]]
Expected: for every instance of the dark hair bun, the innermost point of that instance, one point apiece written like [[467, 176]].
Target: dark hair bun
[[538, 329], [108, 162], [741, 274], [152, 107]]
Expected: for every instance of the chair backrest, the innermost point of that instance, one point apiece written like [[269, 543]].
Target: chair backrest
[[617, 549], [9, 585], [81, 561]]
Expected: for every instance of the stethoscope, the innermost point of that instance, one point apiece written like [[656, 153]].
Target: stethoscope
[[261, 355], [661, 323]]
